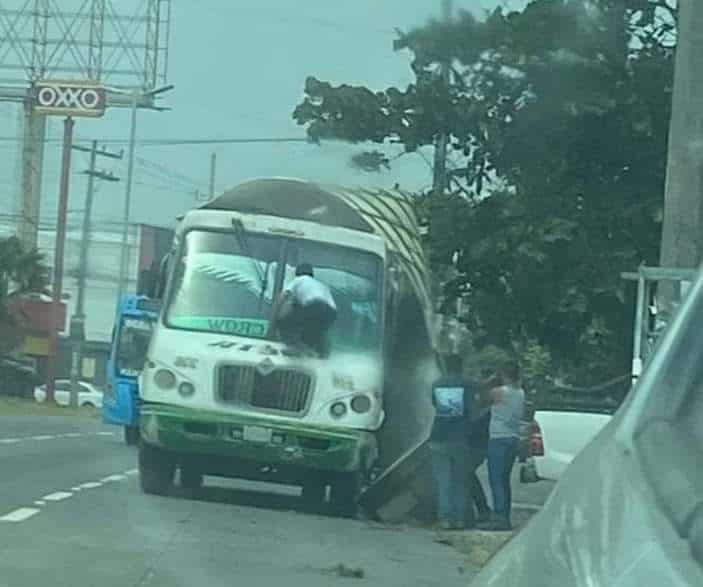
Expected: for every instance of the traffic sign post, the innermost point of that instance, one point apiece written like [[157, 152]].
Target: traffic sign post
[[69, 99]]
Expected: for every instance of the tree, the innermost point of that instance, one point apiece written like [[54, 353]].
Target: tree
[[682, 238], [559, 114], [20, 272]]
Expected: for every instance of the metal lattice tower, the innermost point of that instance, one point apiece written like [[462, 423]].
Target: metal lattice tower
[[90, 40], [123, 43]]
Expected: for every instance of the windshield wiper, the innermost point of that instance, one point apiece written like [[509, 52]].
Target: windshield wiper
[[243, 243]]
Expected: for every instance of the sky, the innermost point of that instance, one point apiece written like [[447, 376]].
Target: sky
[[238, 68]]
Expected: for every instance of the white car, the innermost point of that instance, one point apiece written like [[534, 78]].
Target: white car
[[89, 396], [558, 436]]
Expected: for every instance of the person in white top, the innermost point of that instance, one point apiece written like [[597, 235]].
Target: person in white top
[[507, 406], [306, 311]]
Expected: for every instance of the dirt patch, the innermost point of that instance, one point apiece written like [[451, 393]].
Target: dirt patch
[[480, 546]]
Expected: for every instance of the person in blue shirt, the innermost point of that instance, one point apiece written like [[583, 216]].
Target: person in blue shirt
[[452, 400]]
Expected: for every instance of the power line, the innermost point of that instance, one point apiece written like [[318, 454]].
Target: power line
[[165, 188], [170, 174], [176, 142]]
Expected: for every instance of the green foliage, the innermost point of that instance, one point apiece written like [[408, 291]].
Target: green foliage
[[560, 113], [370, 161], [20, 272], [536, 365], [488, 359]]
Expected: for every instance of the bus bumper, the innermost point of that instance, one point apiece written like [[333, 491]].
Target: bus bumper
[[249, 442]]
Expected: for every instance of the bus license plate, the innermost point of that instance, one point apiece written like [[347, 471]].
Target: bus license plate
[[257, 434]]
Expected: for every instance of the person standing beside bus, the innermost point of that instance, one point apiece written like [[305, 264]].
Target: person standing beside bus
[[452, 400], [507, 406]]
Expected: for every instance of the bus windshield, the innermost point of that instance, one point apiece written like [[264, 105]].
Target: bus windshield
[[133, 344], [225, 282], [354, 278]]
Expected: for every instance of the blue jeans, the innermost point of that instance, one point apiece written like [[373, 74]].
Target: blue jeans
[[449, 466], [502, 453]]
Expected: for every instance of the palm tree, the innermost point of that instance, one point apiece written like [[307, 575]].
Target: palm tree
[[20, 272]]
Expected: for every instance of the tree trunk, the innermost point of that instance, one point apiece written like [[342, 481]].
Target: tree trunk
[[682, 234]]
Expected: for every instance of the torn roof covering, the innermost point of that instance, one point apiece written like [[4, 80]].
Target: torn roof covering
[[389, 214]]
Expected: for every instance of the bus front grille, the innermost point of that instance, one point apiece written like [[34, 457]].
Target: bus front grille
[[283, 390]]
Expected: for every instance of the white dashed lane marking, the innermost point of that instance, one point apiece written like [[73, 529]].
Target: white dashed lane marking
[[42, 437], [90, 485], [24, 513], [57, 496], [19, 515]]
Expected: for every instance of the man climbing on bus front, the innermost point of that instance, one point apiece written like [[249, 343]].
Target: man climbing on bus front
[[306, 311]]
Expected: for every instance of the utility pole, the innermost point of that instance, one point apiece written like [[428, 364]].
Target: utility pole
[[439, 181], [213, 169], [682, 232], [32, 165], [124, 251], [58, 257], [77, 331], [135, 97]]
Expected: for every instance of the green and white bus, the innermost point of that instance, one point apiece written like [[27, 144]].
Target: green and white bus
[[221, 396]]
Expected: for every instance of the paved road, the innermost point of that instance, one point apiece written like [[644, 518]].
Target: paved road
[[71, 513]]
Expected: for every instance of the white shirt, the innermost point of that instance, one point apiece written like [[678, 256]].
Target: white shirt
[[306, 290], [506, 414]]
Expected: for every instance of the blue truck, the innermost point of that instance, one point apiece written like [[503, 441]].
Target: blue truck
[[134, 322]]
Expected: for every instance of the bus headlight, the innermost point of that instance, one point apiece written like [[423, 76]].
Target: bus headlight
[[361, 404], [186, 389], [165, 379], [338, 409]]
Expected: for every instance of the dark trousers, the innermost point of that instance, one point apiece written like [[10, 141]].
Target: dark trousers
[[477, 496], [310, 325], [449, 469], [502, 453]]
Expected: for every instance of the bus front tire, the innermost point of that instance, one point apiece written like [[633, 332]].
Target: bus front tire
[[156, 470], [191, 479], [131, 435], [313, 495], [344, 494]]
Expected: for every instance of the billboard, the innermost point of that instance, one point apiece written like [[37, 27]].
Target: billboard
[[69, 98]]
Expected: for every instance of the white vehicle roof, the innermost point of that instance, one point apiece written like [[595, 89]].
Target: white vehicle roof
[[387, 214]]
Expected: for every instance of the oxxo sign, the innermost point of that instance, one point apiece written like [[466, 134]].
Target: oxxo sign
[[70, 98]]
